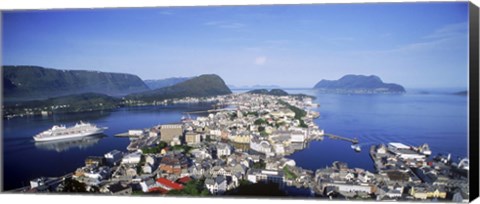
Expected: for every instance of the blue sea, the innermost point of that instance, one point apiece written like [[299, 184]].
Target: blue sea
[[439, 120]]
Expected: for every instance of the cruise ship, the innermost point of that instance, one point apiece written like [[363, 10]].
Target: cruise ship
[[61, 132]]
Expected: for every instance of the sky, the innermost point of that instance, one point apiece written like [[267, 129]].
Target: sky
[[417, 45]]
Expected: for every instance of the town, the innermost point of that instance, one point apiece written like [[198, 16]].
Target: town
[[242, 142]]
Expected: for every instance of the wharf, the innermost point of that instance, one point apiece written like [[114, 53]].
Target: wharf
[[141, 143], [125, 134], [332, 136]]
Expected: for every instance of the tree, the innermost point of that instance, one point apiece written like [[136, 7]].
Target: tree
[[260, 121], [73, 186], [192, 188]]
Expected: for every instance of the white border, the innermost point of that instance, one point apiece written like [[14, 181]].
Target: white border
[[69, 4]]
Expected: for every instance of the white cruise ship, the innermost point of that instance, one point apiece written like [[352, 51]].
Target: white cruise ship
[[61, 132]]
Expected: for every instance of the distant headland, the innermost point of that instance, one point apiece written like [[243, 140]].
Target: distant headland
[[358, 84]]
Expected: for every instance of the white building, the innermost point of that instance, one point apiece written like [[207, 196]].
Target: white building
[[262, 146], [404, 151], [279, 149], [135, 132], [298, 136], [223, 149], [132, 158]]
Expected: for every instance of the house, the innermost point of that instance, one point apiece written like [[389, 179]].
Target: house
[[239, 169], [223, 149], [201, 153], [173, 163], [147, 185], [217, 185], [147, 168], [131, 172], [220, 170], [196, 171]]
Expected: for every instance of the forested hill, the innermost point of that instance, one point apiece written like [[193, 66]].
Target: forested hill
[[201, 86], [34, 82]]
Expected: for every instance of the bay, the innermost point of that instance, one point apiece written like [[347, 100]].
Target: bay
[[439, 120]]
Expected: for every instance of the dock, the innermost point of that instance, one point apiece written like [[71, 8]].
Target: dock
[[337, 137]]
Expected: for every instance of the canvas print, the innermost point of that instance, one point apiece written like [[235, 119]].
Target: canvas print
[[318, 101]]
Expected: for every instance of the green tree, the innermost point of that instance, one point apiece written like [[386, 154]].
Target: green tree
[[73, 186]]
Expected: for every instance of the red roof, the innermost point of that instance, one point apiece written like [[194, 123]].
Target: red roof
[[157, 189], [169, 184], [184, 180]]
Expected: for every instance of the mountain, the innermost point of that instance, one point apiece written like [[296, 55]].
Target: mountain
[[33, 82], [259, 86], [358, 84], [253, 87], [201, 86], [274, 92], [160, 83], [69, 103]]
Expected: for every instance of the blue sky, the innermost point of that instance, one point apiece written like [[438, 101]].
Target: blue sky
[[418, 45]]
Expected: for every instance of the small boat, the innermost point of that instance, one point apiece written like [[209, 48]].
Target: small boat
[[356, 147]]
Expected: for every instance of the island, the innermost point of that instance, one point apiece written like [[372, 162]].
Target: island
[[358, 84]]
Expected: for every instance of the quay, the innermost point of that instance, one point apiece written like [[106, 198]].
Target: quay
[[332, 136]]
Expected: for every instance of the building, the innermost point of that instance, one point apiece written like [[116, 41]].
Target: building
[[217, 185], [94, 161], [173, 164], [169, 132], [135, 132], [404, 152], [117, 189], [113, 157], [298, 136], [243, 138], [261, 146], [192, 138], [258, 175], [223, 149], [132, 158], [348, 187], [168, 185]]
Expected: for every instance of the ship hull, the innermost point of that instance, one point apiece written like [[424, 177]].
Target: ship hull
[[71, 136]]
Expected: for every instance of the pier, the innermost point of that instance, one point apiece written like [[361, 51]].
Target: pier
[[337, 137], [210, 111]]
